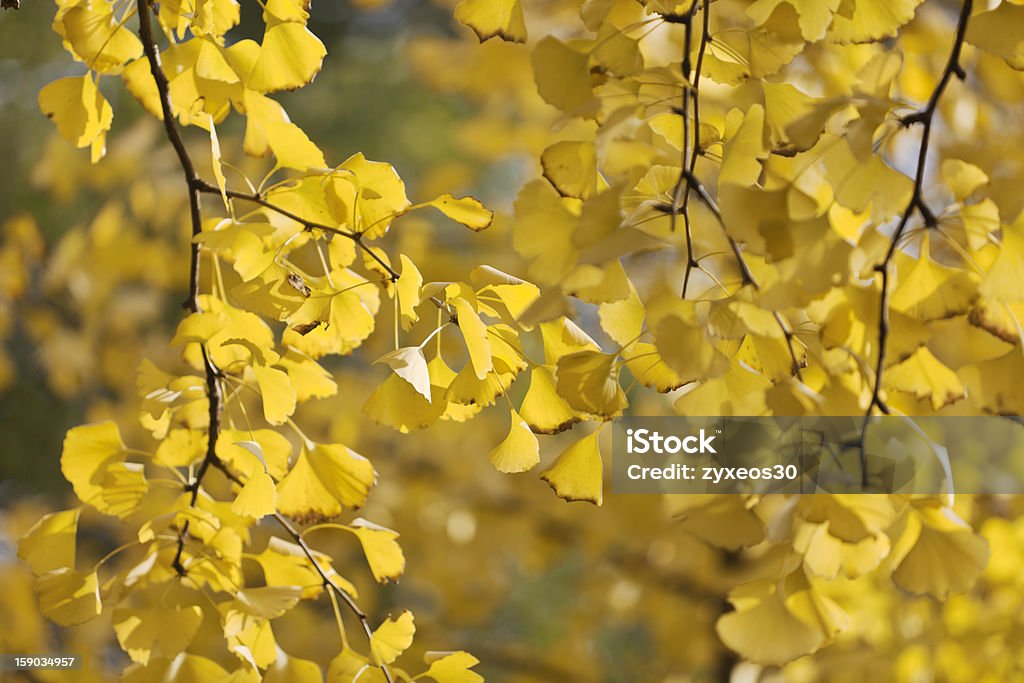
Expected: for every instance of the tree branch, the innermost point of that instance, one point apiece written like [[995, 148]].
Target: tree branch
[[925, 117], [213, 392]]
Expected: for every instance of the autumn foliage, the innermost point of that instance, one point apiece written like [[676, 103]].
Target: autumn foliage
[[728, 207]]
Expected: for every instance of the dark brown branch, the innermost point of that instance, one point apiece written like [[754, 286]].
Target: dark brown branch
[[696, 151], [213, 392], [926, 117], [702, 194]]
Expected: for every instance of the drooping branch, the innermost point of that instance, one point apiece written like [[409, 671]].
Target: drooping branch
[[196, 186], [213, 391], [926, 118]]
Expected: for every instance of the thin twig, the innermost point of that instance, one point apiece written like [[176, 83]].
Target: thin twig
[[925, 117]]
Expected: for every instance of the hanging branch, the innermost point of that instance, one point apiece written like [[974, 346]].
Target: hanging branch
[[213, 391], [925, 117], [197, 186]]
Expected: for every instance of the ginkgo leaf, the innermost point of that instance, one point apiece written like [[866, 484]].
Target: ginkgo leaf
[[292, 147], [410, 364], [349, 665], [285, 565], [571, 167], [83, 116], [391, 639], [815, 15], [744, 147], [68, 597], [124, 487], [543, 410], [1002, 281], [589, 382], [160, 629], [563, 77], [288, 669], [325, 478], [577, 474], [268, 602], [937, 552], [88, 451], [871, 20], [397, 404], [289, 57], [382, 551], [408, 288], [995, 32], [931, 290], [452, 667], [185, 668], [50, 543], [97, 38], [474, 332], [466, 210], [490, 18], [925, 376], [278, 394], [257, 498], [963, 178], [723, 521], [519, 451], [778, 621]]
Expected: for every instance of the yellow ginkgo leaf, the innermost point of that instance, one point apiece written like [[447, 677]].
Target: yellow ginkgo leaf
[[777, 621], [723, 521], [408, 288], [815, 15], [490, 18], [452, 667], [589, 382], [325, 478], [88, 451], [1002, 281], [578, 472], [924, 376], [963, 178], [466, 210], [50, 543], [277, 392], [519, 451], [288, 669], [97, 38], [929, 290], [391, 639], [289, 57], [83, 116], [257, 498], [744, 147], [382, 551], [268, 602], [162, 629], [936, 552], [996, 32], [474, 332], [381, 193], [285, 565], [292, 147], [571, 167], [871, 20], [563, 77], [410, 364], [68, 597], [543, 410], [398, 405], [185, 668], [124, 487]]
